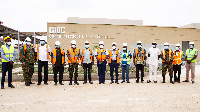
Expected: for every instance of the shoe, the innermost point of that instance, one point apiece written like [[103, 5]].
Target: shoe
[[27, 84], [155, 81], [117, 82], [148, 81], [111, 82], [178, 81], [61, 83], [39, 83], [163, 81], [2, 87], [193, 82], [70, 83], [91, 82], [76, 83], [128, 82], [122, 81], [137, 81], [11, 86], [84, 82], [142, 81], [186, 81], [55, 84], [46, 83], [103, 82], [31, 83], [99, 82]]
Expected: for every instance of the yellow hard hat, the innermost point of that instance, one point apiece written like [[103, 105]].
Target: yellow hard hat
[[7, 38]]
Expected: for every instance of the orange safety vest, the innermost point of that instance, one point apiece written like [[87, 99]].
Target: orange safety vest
[[38, 52], [83, 50], [73, 55], [137, 54], [110, 54], [178, 59], [25, 49], [54, 56], [163, 52], [101, 55]]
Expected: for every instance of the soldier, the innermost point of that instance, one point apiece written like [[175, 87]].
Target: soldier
[[28, 57], [177, 62], [43, 51], [73, 54], [139, 61], [58, 62], [167, 57], [114, 57], [191, 55], [8, 57], [87, 60], [101, 55]]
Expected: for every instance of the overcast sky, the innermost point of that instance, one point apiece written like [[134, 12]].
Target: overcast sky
[[33, 15]]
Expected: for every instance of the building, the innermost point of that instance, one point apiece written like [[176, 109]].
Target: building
[[193, 25]]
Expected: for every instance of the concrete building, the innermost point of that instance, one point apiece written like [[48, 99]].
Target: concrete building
[[193, 25]]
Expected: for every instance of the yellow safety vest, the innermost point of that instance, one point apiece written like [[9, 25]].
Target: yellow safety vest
[[8, 53]]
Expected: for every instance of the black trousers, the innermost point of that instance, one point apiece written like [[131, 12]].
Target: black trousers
[[87, 70], [141, 68], [177, 68], [6, 67], [40, 65], [114, 65], [59, 69]]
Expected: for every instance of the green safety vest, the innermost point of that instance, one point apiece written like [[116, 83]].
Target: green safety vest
[[191, 54], [8, 53], [127, 58]]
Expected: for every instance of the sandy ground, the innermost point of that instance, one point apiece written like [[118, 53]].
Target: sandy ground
[[183, 97]]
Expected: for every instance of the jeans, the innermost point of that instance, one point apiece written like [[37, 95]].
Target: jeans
[[125, 67]]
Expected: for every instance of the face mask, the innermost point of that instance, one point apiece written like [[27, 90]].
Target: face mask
[[177, 48], [73, 46], [191, 46], [8, 43], [28, 43], [139, 45], [124, 49], [86, 46], [42, 42], [113, 47], [101, 46], [166, 47], [57, 46], [153, 45]]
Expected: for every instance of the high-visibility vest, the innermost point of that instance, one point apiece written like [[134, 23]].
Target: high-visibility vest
[[101, 55], [127, 58], [38, 52], [191, 54], [137, 55], [54, 55], [110, 54], [83, 50], [163, 52], [8, 53], [178, 59], [73, 55], [25, 49]]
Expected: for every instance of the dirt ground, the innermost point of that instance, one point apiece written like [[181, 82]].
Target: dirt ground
[[178, 97]]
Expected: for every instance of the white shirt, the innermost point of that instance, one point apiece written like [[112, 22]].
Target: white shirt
[[43, 52], [154, 52], [86, 58], [107, 53]]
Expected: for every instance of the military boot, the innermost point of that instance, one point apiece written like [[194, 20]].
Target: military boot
[[70, 83]]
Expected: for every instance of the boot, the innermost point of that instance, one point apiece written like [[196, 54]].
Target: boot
[[163, 79], [70, 83], [171, 80]]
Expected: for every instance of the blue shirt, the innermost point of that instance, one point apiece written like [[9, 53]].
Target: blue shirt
[[3, 54], [124, 57]]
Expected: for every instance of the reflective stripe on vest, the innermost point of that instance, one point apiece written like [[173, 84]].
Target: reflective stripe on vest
[[101, 55], [46, 50], [8, 53], [178, 59], [142, 55], [54, 56], [73, 55], [127, 58], [191, 54], [163, 51], [83, 50], [110, 54]]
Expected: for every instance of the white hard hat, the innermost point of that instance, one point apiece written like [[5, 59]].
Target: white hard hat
[[101, 42], [27, 39], [86, 42], [124, 44], [153, 42], [178, 45], [166, 44], [139, 42], [57, 43], [114, 43], [73, 42], [191, 43]]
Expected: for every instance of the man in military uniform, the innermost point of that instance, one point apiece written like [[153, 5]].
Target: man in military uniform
[[28, 57], [73, 55], [167, 57]]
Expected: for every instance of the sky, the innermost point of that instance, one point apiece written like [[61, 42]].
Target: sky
[[33, 15]]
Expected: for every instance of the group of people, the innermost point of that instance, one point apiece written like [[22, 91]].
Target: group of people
[[115, 58]]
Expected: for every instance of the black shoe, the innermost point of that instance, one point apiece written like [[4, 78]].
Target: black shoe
[[11, 86], [61, 83], [46, 83], [55, 84], [117, 82], [91, 82], [122, 81], [179, 82], [148, 81], [31, 83], [111, 82], [39, 83], [128, 82], [76, 83], [172, 82], [84, 82], [2, 87], [70, 83], [142, 81], [27, 84], [155, 81], [99, 82], [186, 81], [137, 81], [163, 81], [193, 82]]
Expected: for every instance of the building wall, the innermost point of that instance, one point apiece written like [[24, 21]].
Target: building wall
[[120, 34]]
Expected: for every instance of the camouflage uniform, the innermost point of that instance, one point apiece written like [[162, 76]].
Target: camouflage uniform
[[169, 65], [29, 57]]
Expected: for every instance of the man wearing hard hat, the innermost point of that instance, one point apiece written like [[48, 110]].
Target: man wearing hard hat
[[87, 60], [73, 54], [191, 55], [28, 57], [177, 62], [167, 57], [43, 51], [101, 56], [125, 62], [139, 60], [58, 62], [153, 54], [114, 62], [8, 57]]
